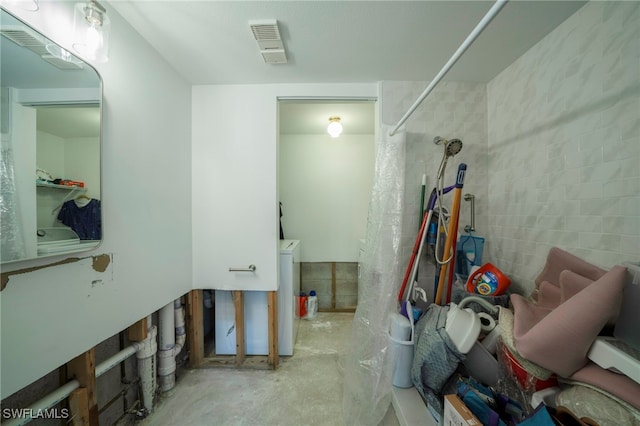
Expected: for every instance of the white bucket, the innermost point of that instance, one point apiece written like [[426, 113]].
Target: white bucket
[[402, 346]]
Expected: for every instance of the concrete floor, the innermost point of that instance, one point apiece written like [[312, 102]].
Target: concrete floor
[[306, 389]]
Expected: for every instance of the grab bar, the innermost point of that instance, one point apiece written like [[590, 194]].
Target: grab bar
[[472, 198], [250, 268]]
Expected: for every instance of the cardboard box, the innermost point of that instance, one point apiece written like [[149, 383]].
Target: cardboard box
[[457, 414]]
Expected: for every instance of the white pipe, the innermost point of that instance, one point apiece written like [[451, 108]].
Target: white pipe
[[497, 6], [144, 351], [116, 359], [147, 366], [64, 391], [166, 337], [181, 333], [47, 402], [172, 340]]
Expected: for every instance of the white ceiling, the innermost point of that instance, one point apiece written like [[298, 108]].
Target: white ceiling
[[209, 42]]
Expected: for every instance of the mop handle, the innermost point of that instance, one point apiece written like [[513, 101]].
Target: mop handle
[[419, 240]]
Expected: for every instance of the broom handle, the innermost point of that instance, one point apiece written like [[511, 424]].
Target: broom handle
[[452, 263], [455, 211]]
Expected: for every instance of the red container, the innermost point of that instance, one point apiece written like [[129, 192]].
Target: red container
[[488, 281], [526, 380], [301, 306]]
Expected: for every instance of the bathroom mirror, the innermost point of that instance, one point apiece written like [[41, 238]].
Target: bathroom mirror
[[50, 118]]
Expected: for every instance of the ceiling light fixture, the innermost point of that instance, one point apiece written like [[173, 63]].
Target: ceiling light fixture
[[335, 127], [91, 28]]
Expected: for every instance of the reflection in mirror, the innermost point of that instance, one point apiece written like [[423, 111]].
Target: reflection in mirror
[[51, 137]]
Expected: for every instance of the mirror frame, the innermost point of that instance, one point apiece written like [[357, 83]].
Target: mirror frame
[[93, 97]]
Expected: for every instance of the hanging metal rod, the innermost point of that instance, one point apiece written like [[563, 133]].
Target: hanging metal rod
[[497, 6]]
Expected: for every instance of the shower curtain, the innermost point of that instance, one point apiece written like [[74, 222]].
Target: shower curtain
[[12, 242], [368, 363]]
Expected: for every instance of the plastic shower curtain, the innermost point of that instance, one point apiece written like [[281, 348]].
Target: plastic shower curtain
[[368, 364], [12, 244]]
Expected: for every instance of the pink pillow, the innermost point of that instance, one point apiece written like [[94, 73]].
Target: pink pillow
[[526, 314], [571, 284], [559, 340], [549, 296], [558, 260]]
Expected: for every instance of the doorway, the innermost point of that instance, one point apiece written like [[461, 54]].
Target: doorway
[[324, 186]]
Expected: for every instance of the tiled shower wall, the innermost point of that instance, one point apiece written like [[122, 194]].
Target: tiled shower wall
[[564, 145], [452, 110]]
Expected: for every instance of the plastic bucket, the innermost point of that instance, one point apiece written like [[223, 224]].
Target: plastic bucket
[[402, 348]]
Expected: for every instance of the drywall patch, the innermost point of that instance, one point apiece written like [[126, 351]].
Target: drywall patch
[[101, 262], [4, 277]]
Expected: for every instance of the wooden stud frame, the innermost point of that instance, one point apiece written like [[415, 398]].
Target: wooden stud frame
[[83, 369], [195, 336]]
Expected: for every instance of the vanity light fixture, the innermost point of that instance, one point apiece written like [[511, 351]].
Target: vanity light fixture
[[335, 127], [29, 5], [91, 28]]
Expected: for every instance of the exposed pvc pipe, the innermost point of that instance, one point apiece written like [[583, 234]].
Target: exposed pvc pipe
[[116, 359], [47, 402], [65, 390], [145, 351], [172, 338], [181, 332], [497, 6], [166, 336], [147, 366]]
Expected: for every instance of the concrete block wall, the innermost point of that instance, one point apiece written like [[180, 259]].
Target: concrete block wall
[[335, 283]]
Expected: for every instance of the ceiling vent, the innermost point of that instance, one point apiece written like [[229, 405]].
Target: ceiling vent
[[25, 38], [38, 44], [267, 35], [274, 56]]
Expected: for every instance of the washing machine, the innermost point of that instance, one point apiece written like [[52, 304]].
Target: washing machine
[[256, 312], [288, 321]]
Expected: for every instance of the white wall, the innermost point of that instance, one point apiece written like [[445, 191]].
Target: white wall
[[51, 315], [325, 188], [50, 153], [564, 145], [235, 180], [82, 163]]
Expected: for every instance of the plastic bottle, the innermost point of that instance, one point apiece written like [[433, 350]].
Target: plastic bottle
[[312, 305], [302, 305]]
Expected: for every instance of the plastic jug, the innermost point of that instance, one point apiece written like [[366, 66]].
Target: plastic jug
[[312, 305], [302, 305], [488, 281]]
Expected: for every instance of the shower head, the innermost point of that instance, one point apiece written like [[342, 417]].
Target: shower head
[[452, 147], [439, 140]]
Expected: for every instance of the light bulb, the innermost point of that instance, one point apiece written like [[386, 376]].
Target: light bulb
[[335, 127], [94, 41]]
